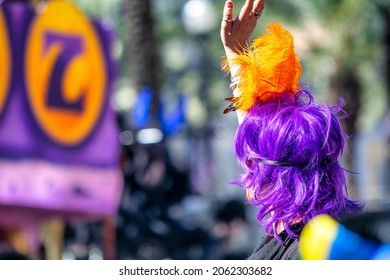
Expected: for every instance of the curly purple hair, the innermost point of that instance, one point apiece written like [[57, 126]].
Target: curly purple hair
[[289, 149]]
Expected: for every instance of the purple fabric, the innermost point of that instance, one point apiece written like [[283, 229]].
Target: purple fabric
[[20, 136], [36, 173], [309, 137]]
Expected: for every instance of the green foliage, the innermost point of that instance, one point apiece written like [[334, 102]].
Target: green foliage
[[332, 36]]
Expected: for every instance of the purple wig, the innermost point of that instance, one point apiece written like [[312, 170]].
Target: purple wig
[[289, 149]]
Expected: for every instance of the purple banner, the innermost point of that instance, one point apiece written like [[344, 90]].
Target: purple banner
[[59, 149]]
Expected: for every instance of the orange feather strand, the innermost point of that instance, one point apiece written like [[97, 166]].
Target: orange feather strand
[[268, 69]]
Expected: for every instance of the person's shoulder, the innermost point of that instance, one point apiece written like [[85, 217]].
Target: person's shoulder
[[267, 248], [291, 252]]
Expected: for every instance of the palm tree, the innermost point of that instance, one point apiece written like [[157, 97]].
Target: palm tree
[[356, 45], [383, 8], [143, 51]]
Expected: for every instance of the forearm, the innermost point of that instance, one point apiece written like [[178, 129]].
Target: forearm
[[235, 34]]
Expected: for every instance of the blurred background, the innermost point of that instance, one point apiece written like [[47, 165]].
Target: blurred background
[[157, 157]]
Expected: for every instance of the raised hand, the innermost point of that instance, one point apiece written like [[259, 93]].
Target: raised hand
[[236, 32]]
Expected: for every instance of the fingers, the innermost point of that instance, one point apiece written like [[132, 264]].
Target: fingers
[[228, 10], [258, 6], [227, 19], [235, 33], [246, 10], [251, 8]]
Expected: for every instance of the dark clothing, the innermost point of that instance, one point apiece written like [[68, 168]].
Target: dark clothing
[[270, 248]]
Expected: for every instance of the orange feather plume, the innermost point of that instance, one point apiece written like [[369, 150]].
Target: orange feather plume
[[268, 69]]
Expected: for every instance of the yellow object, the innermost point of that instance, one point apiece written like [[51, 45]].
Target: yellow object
[[317, 238], [5, 63], [52, 234], [65, 62], [267, 69]]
